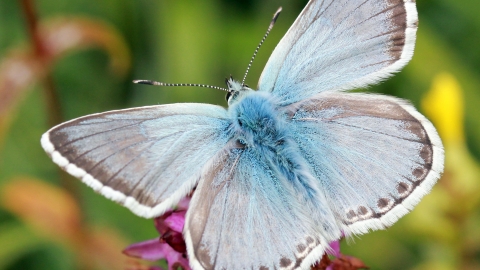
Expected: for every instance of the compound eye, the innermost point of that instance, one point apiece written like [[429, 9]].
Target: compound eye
[[228, 96]]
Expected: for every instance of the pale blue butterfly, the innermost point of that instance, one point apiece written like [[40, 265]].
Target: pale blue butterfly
[[286, 169]]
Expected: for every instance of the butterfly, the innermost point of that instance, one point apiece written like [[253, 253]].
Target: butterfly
[[287, 168]]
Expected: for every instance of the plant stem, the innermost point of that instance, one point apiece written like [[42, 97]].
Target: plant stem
[[40, 52], [54, 110]]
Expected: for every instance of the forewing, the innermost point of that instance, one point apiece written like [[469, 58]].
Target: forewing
[[244, 216], [339, 45], [145, 158], [374, 156]]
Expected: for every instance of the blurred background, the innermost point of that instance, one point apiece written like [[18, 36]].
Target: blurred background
[[64, 59]]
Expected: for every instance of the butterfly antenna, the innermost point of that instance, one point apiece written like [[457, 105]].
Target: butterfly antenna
[[272, 23], [148, 82]]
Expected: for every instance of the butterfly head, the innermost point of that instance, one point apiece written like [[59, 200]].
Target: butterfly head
[[236, 90]]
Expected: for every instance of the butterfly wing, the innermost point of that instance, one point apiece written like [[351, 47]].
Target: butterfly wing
[[340, 45], [145, 158], [245, 215], [375, 156]]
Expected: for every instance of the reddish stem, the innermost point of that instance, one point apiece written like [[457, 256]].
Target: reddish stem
[[51, 98], [31, 19]]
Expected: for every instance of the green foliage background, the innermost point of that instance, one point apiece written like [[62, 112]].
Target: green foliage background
[[204, 42]]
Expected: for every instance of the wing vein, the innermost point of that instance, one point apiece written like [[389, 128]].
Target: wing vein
[[114, 153], [128, 163], [377, 132], [101, 132], [300, 36]]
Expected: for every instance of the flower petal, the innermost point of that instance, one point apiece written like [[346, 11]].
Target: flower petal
[[335, 248], [444, 104], [175, 240], [176, 221], [176, 259], [183, 204], [160, 224], [151, 250]]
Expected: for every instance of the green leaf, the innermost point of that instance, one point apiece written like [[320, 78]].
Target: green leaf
[[16, 240]]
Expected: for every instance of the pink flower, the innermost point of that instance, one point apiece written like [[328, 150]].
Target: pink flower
[[340, 262], [335, 248], [170, 245]]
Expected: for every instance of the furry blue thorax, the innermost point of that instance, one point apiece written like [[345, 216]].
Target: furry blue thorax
[[262, 127], [256, 122]]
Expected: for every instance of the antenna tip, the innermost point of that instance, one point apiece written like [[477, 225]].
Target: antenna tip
[[148, 82], [275, 17]]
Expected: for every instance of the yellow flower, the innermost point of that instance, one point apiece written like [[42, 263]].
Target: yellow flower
[[447, 218], [444, 106]]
